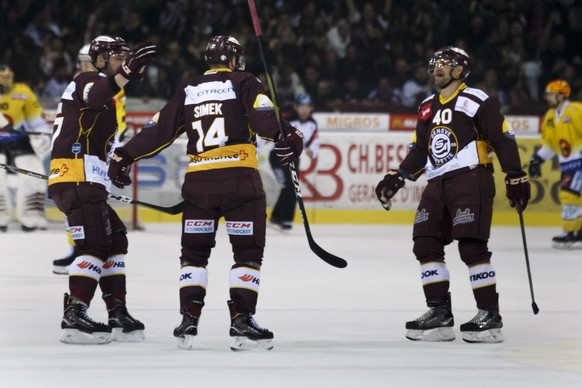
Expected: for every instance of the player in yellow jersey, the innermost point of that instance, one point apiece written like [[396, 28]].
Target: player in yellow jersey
[[21, 112], [562, 136], [61, 266]]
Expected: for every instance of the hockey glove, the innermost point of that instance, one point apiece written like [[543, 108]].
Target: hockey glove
[[518, 190], [535, 166], [119, 168], [387, 188], [289, 149], [137, 61]]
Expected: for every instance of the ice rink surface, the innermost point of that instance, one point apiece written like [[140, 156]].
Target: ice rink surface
[[333, 327]]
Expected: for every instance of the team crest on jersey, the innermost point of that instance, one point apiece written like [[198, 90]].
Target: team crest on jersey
[[443, 145], [463, 217], [425, 112], [421, 216]]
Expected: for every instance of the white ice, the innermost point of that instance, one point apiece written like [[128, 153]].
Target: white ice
[[333, 327]]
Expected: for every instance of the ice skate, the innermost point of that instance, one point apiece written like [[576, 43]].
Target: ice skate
[[436, 325], [485, 327], [246, 334], [79, 328], [187, 331], [570, 240], [280, 226], [61, 266], [124, 327]]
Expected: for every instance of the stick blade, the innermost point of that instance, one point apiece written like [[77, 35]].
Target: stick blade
[[535, 308], [324, 255]]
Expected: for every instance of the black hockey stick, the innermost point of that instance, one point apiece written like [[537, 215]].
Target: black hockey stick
[[176, 209], [319, 251], [534, 305]]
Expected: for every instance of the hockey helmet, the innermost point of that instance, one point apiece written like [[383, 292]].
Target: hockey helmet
[[107, 46], [452, 56], [6, 78], [559, 86], [303, 99], [84, 53], [221, 48]]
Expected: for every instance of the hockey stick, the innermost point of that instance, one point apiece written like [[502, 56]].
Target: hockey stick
[[176, 209], [534, 305], [319, 251]]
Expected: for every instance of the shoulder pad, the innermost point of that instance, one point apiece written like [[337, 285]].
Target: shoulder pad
[[476, 92]]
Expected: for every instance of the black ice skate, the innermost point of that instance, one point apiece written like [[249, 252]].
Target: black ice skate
[[245, 332], [61, 266], [188, 329], [124, 327], [570, 240], [436, 325], [79, 328], [484, 327]]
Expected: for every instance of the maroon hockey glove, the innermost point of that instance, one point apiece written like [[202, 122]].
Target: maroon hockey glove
[[119, 168], [392, 182], [518, 190], [137, 61], [289, 148]]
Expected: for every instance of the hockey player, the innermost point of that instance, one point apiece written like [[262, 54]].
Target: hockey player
[[84, 132], [562, 136], [455, 132], [284, 209], [61, 266], [19, 112], [221, 111]]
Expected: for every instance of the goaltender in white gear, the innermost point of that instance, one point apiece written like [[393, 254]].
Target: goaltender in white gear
[[21, 112]]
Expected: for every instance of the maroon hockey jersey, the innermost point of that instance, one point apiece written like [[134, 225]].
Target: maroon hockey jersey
[[459, 133], [84, 130], [221, 112]]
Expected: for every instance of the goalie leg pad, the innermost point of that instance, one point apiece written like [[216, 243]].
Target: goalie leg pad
[[5, 208], [30, 193]]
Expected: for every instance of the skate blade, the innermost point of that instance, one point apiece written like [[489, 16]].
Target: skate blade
[[118, 335], [440, 334], [76, 337], [240, 343], [60, 270], [486, 336], [187, 343], [567, 246]]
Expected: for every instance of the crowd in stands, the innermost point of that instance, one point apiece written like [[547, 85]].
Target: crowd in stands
[[370, 54]]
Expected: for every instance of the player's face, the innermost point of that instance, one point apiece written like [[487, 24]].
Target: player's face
[[115, 61], [303, 111], [553, 99], [442, 73], [6, 81]]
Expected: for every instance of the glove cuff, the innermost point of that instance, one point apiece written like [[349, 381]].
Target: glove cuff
[[121, 156]]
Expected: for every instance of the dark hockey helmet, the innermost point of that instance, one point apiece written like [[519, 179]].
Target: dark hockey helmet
[[6, 78], [107, 46], [221, 48], [452, 56]]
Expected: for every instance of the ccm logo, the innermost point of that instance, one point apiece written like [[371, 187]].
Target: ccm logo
[[199, 223]]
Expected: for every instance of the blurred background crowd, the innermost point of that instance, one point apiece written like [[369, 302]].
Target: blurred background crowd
[[349, 55]]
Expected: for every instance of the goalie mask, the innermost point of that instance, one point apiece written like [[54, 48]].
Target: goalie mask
[[452, 56], [222, 48], [6, 78], [107, 46]]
